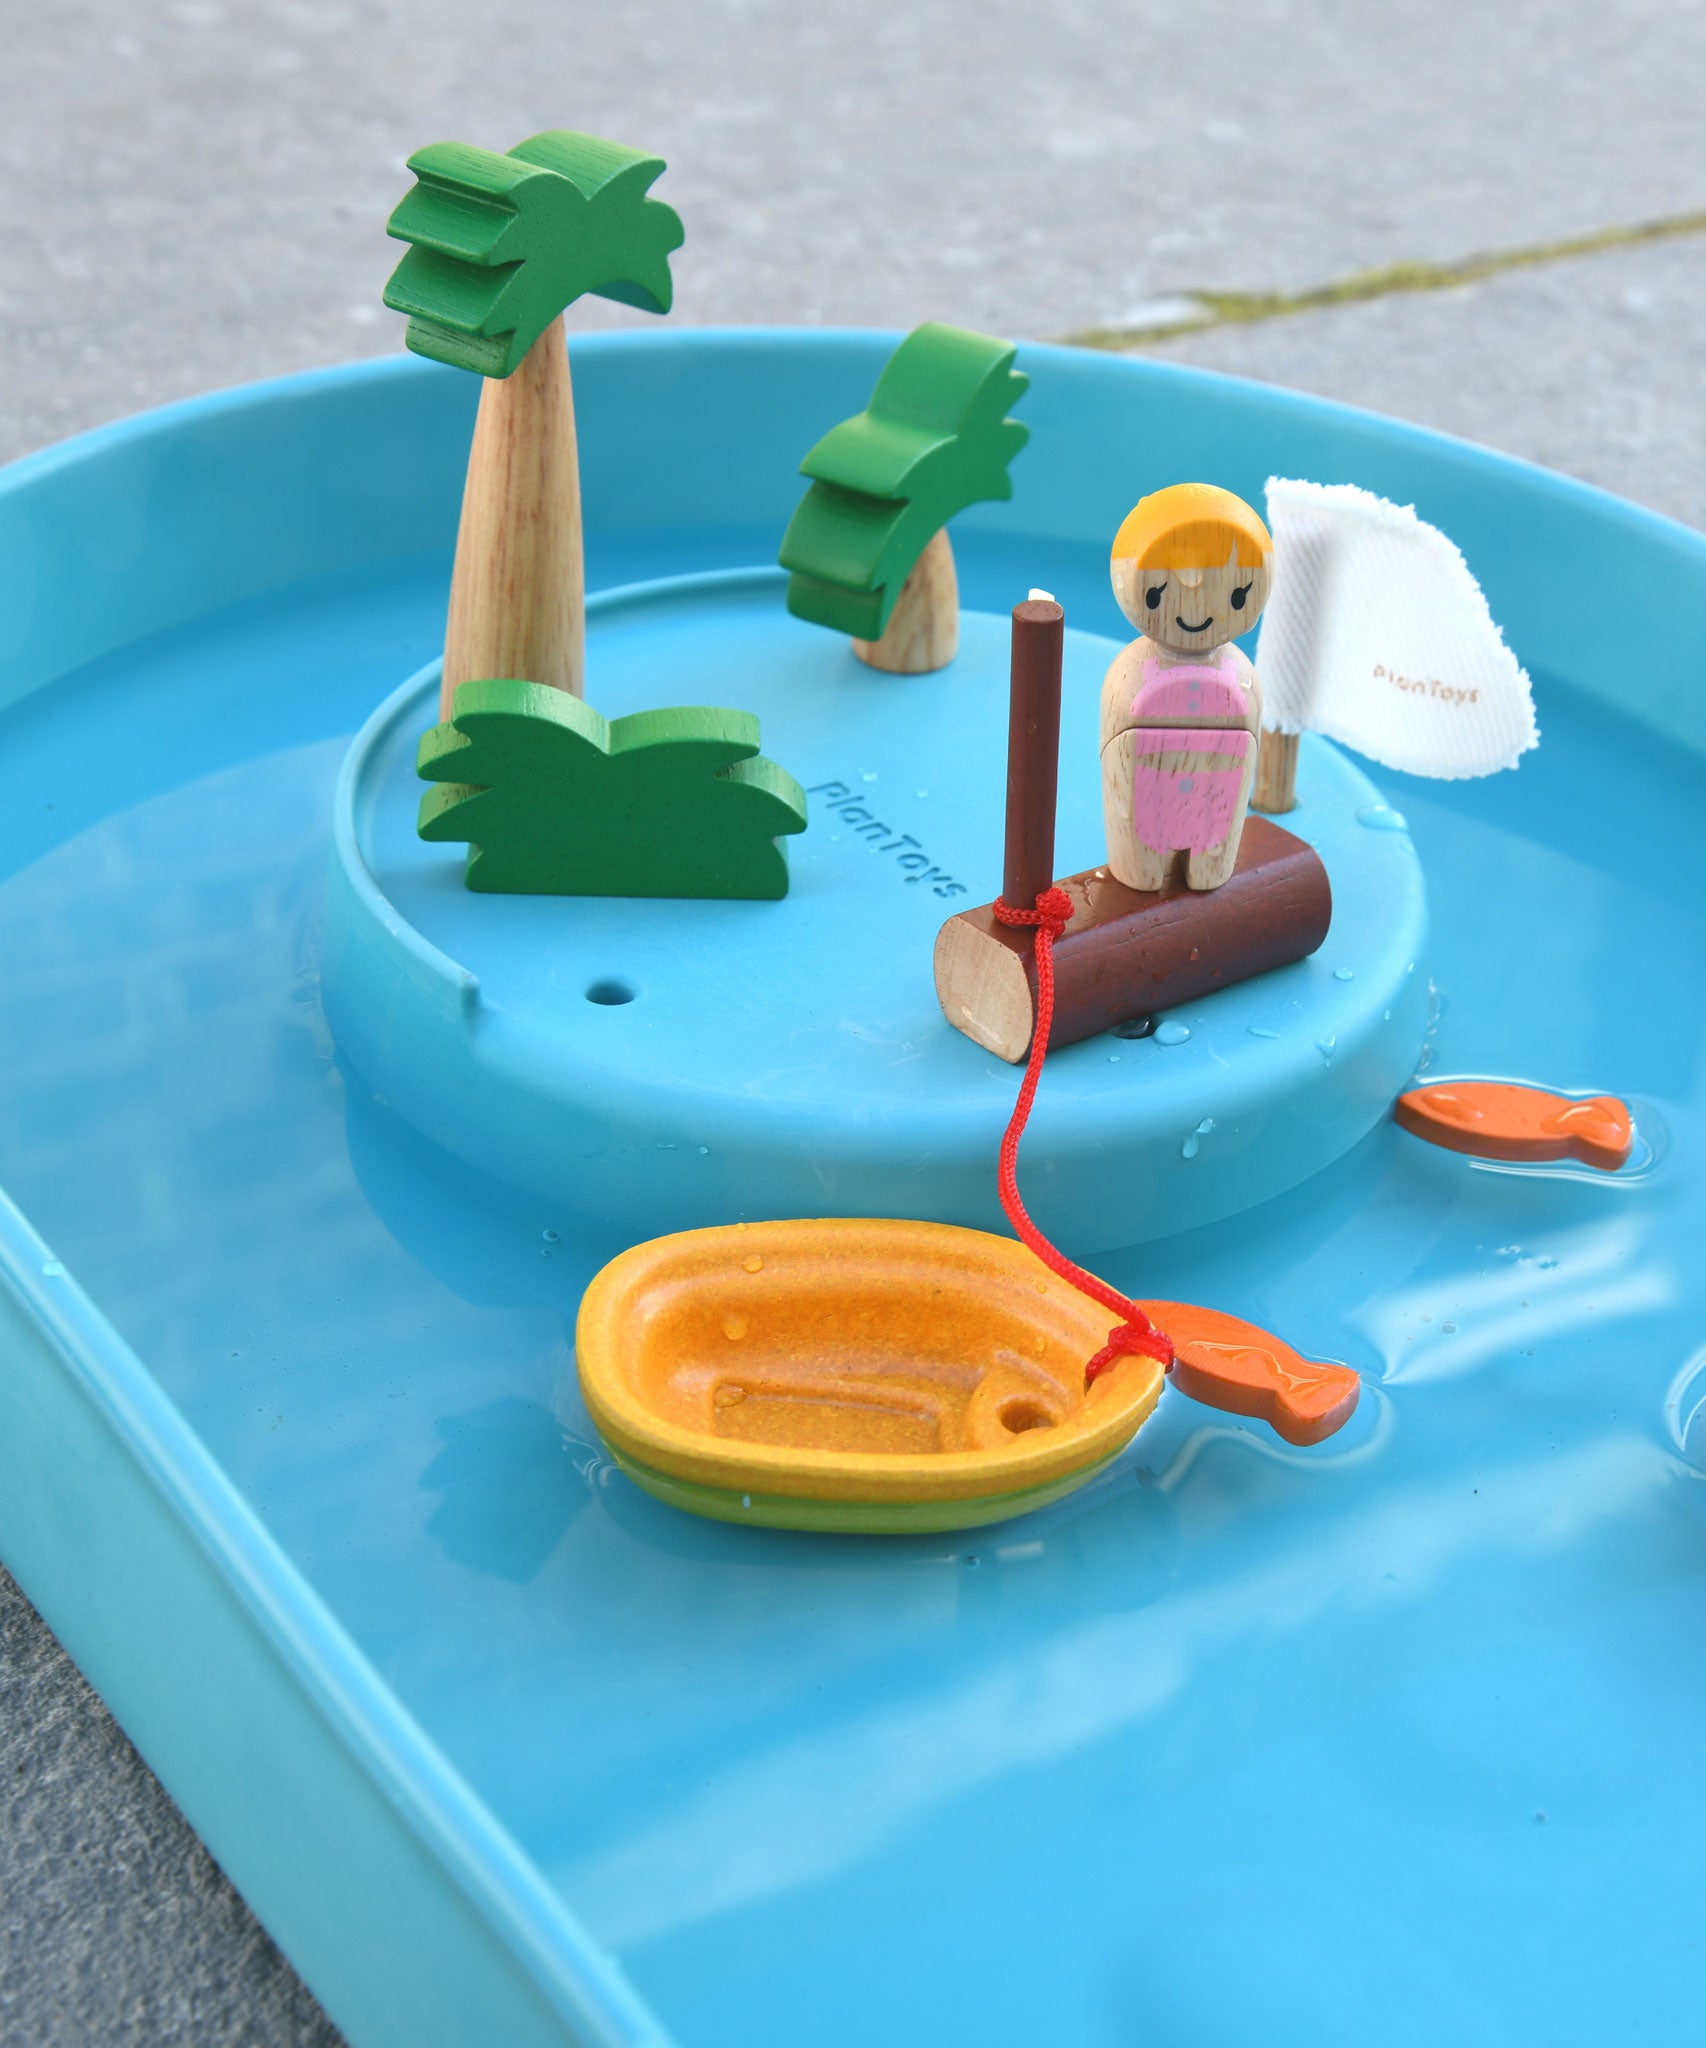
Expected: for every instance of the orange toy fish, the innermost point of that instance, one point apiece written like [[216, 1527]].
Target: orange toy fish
[[1242, 1369], [1505, 1120]]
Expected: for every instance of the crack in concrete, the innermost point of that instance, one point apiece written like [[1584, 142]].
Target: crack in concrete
[[1237, 309]]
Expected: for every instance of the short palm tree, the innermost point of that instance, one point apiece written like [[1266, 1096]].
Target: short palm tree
[[867, 544]]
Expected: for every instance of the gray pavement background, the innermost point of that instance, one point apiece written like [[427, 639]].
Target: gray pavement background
[[192, 195]]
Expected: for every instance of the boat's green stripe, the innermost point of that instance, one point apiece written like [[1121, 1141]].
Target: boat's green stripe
[[851, 1517]]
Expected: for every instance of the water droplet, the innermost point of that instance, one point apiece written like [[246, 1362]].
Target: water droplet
[[869, 775], [552, 1236], [729, 1396], [1344, 974], [53, 1268], [1326, 1047], [1190, 1148], [746, 1500], [1136, 1027], [735, 1328], [1386, 1016], [1450, 1329], [1171, 1033], [1113, 1059], [973, 1561], [753, 1263], [1262, 1031], [1383, 818], [1540, 1817], [1546, 1265], [704, 1151], [921, 792]]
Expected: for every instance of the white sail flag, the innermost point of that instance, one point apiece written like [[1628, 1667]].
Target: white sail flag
[[1378, 636]]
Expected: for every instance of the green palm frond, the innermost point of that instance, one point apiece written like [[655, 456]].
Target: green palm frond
[[934, 439], [501, 244], [553, 799]]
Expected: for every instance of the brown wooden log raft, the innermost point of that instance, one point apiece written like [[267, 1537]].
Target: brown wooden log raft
[[1127, 952]]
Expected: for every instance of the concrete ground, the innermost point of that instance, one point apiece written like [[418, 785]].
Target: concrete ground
[[193, 195]]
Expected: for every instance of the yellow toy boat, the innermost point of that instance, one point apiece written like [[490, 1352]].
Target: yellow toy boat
[[873, 1375], [853, 1375]]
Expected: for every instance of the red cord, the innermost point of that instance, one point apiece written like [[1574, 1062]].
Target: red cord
[[1136, 1335]]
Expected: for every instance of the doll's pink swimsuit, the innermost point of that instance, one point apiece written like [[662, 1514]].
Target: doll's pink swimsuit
[[1171, 808]]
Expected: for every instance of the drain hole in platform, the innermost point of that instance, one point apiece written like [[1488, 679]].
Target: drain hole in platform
[[1022, 1415], [610, 993]]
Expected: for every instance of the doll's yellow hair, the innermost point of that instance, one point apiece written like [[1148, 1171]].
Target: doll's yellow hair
[[1191, 526]]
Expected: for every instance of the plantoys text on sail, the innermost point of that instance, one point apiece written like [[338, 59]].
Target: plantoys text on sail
[[1378, 636]]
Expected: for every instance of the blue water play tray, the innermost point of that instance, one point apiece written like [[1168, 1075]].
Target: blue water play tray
[[1390, 1740]]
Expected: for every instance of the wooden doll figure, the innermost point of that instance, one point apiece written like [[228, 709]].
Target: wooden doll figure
[[1181, 708]]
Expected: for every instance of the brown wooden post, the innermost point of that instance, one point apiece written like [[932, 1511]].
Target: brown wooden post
[[1033, 750], [1276, 772]]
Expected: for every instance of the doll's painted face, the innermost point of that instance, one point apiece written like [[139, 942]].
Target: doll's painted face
[[1190, 611]]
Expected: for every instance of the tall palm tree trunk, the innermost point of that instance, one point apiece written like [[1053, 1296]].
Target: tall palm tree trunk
[[517, 593]]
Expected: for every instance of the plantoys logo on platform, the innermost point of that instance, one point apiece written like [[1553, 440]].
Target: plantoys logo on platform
[[915, 865], [1424, 686]]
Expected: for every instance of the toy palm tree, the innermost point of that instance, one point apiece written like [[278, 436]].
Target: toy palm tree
[[866, 544], [500, 245]]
